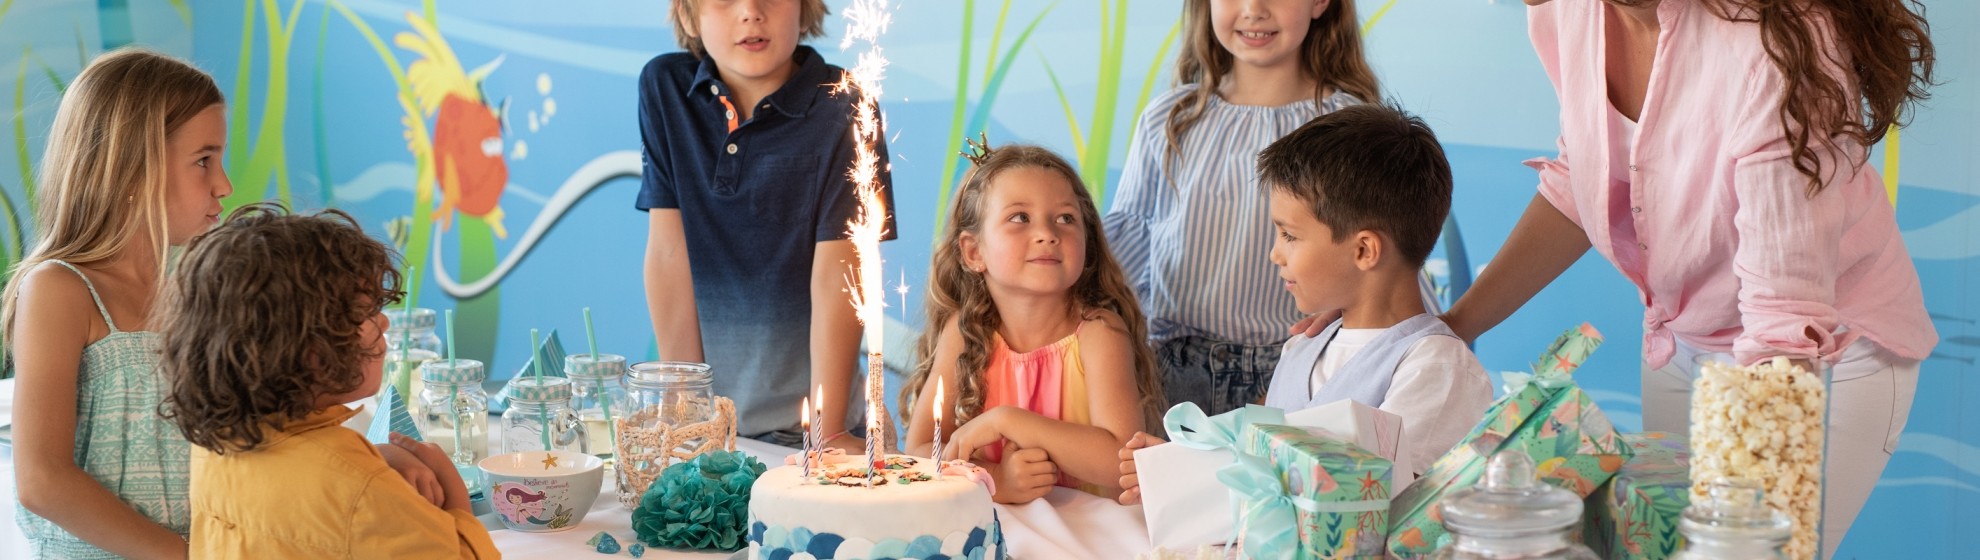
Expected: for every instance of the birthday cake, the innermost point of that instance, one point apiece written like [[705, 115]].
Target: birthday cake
[[913, 510]]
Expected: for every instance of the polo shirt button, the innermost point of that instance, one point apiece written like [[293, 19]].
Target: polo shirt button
[[1632, 167], [1642, 246], [731, 115], [732, 149], [1636, 209], [717, 90]]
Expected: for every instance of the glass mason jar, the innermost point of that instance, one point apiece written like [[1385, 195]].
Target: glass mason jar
[[540, 417], [663, 397], [409, 342], [1733, 522], [598, 394], [1511, 514], [452, 410]]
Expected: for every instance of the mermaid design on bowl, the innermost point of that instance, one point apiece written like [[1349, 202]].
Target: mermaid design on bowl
[[520, 505]]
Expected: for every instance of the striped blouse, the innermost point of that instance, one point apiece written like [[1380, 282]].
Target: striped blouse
[[1195, 235]]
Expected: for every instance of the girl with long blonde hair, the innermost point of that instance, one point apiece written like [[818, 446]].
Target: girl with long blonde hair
[[132, 169], [1033, 331]]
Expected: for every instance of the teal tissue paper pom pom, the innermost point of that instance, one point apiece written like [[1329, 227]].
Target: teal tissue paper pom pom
[[702, 503]]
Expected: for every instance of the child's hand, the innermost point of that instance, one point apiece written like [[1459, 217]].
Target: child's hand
[[415, 472], [980, 432], [851, 444], [1025, 475], [1131, 482], [451, 484]]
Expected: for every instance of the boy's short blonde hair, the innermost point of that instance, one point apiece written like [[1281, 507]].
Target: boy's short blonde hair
[[811, 23]]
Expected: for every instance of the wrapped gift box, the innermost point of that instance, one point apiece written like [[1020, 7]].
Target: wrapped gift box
[[1636, 514], [1544, 416], [1184, 505], [1347, 487]]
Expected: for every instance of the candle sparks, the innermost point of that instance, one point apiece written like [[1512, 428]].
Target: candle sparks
[[865, 21]]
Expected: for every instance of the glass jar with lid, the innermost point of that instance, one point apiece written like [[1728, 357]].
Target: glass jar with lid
[[452, 410], [1511, 514], [540, 418], [598, 394], [410, 340], [1733, 522]]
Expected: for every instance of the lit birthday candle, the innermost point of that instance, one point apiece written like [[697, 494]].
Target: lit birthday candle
[[936, 453], [804, 453]]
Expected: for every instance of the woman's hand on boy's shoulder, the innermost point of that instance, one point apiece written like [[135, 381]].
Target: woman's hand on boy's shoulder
[[416, 472]]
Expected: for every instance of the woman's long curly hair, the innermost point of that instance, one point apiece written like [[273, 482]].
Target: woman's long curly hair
[[1331, 56], [1854, 69], [264, 315], [955, 292]]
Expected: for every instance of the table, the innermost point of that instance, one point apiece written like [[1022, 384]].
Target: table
[[1065, 524]]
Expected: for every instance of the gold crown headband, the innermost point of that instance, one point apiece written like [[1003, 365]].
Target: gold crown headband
[[977, 151]]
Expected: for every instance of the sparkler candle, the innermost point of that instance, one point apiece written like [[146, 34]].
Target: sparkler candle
[[865, 20]]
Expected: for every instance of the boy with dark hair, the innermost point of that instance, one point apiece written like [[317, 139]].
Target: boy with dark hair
[[1358, 199]]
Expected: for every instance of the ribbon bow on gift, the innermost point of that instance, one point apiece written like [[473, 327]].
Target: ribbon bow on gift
[[1188, 426], [1550, 379], [1271, 525]]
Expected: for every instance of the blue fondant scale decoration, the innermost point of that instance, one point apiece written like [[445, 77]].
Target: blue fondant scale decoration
[[778, 543]]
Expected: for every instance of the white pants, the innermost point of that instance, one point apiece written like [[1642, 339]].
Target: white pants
[[1868, 404]]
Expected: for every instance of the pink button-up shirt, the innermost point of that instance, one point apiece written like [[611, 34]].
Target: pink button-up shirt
[[1734, 256]]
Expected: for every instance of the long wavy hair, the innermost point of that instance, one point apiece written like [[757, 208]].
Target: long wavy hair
[[956, 292], [103, 175], [1854, 69], [1331, 56], [264, 314]]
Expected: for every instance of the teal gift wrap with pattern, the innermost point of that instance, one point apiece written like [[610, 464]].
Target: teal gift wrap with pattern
[[1543, 415], [1306, 493], [1636, 514]]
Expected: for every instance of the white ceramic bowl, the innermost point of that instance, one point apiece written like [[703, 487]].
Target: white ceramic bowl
[[542, 491]]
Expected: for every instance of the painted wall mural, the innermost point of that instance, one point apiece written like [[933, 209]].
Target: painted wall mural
[[495, 144]]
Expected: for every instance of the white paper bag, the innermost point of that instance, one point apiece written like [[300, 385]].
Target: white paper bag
[[1186, 507]]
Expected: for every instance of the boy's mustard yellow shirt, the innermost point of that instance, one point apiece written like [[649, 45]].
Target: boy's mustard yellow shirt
[[318, 490]]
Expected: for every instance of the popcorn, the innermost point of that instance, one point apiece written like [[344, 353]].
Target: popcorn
[[1763, 423]]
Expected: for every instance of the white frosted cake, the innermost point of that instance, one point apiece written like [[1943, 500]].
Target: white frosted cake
[[833, 515]]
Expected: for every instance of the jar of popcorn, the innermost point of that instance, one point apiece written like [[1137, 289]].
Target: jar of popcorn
[[540, 417], [598, 394], [1734, 522], [1511, 514]]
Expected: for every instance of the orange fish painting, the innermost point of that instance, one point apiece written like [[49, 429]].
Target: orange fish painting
[[468, 166]]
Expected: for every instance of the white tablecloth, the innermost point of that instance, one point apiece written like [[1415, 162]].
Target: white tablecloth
[[1065, 524]]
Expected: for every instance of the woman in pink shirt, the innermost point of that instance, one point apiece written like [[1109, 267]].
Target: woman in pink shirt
[[1684, 161]]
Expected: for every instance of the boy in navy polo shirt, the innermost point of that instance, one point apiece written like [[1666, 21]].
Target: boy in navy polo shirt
[[747, 152]]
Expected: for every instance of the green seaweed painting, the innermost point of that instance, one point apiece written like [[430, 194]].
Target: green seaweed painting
[[456, 154], [997, 64]]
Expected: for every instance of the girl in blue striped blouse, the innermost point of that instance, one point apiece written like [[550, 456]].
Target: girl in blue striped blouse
[[1189, 219]]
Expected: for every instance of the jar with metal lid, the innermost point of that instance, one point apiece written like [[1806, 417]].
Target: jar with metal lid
[[452, 410], [598, 394], [410, 340], [540, 418]]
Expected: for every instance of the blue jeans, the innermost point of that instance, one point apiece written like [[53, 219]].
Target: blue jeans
[[1217, 376]]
